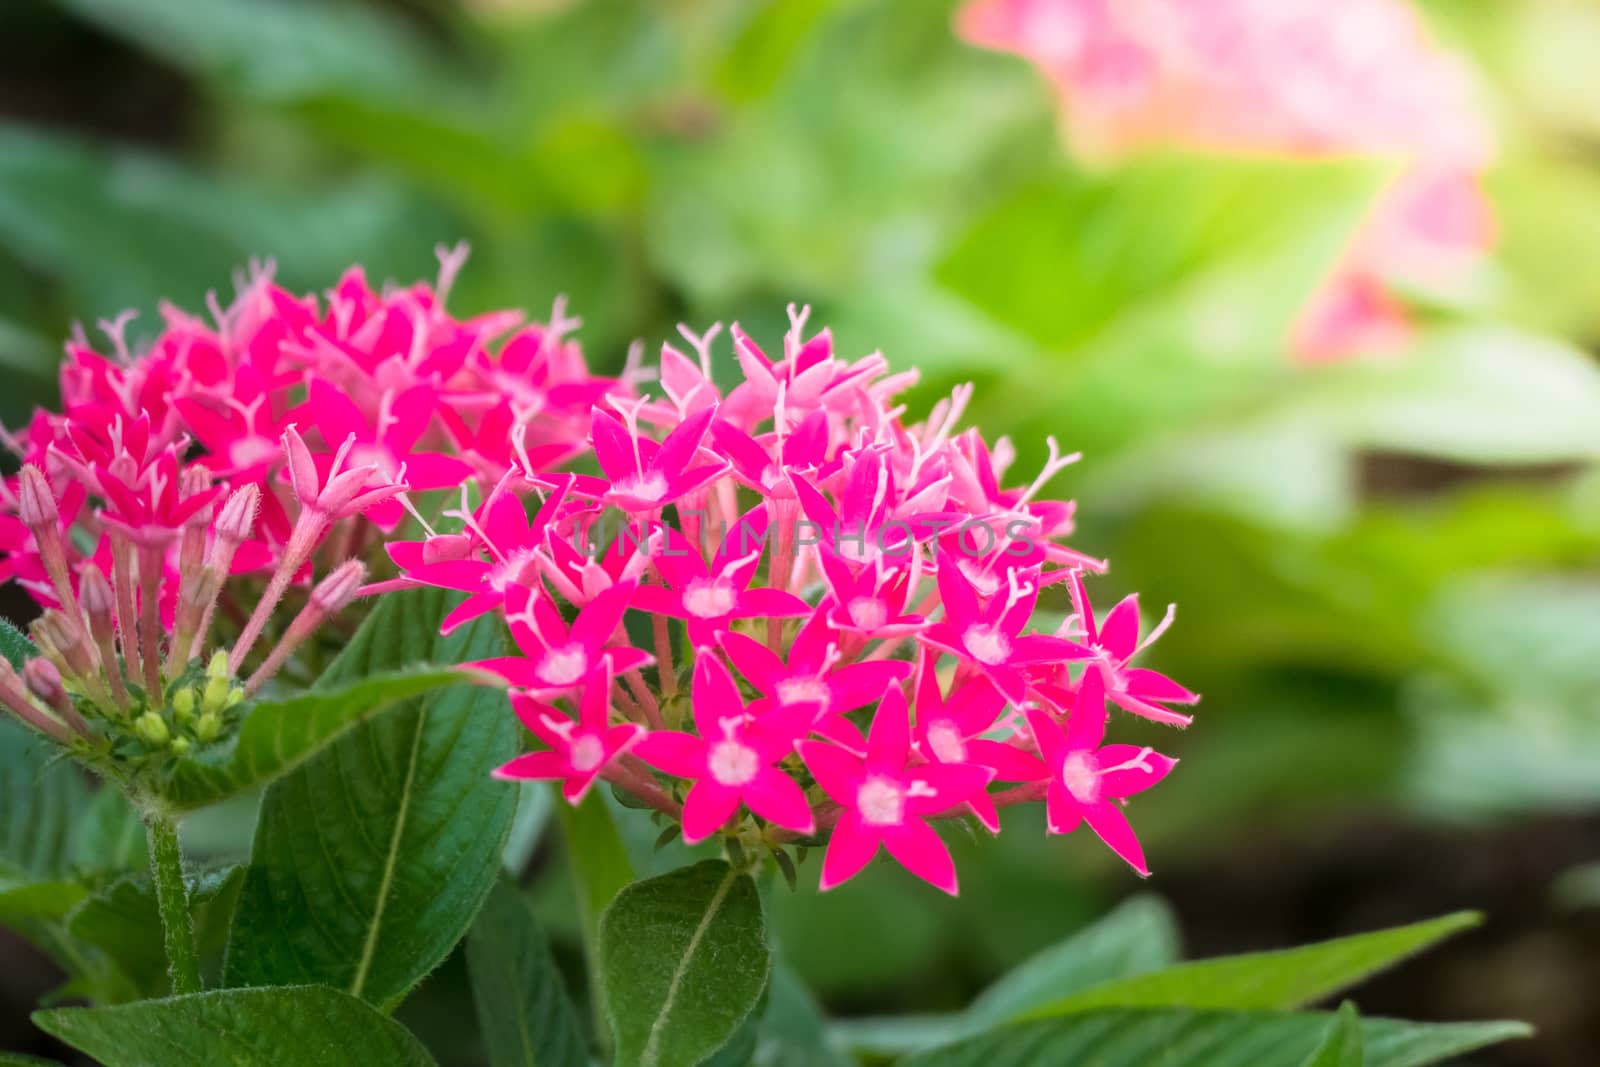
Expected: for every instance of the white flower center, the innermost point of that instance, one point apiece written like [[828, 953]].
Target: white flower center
[[868, 612], [586, 753], [1081, 777], [881, 802], [248, 451], [651, 487], [506, 572], [803, 691], [709, 599], [565, 665], [731, 763], [986, 644], [945, 739]]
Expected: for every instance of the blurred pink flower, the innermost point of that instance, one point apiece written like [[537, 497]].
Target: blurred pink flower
[[1281, 77]]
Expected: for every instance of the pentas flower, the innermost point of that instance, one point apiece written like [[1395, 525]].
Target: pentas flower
[[1291, 77], [1085, 780], [796, 552], [254, 458], [885, 799], [578, 751], [732, 759]]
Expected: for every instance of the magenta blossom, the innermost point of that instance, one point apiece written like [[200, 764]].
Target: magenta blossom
[[556, 659], [579, 750], [1087, 780], [887, 799], [645, 475], [1113, 643], [733, 759]]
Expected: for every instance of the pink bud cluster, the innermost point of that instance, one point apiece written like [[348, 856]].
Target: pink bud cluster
[[185, 492], [783, 614], [1286, 77]]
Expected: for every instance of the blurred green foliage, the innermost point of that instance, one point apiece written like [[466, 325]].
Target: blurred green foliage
[[1384, 568]]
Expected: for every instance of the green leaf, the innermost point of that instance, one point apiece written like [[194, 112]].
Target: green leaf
[[14, 645], [1140, 936], [600, 870], [793, 1031], [1136, 938], [371, 859], [1341, 1044], [1178, 1037], [1266, 980], [279, 735], [109, 837], [121, 920], [1479, 394], [42, 798], [524, 1013], [14, 1059], [297, 1026], [684, 960]]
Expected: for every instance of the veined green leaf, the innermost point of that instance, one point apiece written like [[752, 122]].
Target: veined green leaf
[[1341, 1044], [14, 645], [524, 1013], [1265, 980], [684, 960], [279, 735], [295, 1026], [1178, 1037], [371, 859]]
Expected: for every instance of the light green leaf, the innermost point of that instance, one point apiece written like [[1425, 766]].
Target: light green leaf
[[14, 1059], [684, 960], [524, 1013], [1341, 1044], [371, 859], [1138, 937], [1266, 980], [1177, 1037], [600, 870], [297, 1026], [1479, 394], [280, 735]]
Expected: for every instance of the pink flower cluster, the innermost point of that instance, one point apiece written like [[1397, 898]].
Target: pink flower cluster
[[852, 601], [777, 612], [1295, 77], [272, 443]]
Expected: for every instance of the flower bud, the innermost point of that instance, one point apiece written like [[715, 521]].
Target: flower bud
[[208, 727], [183, 702], [340, 587], [152, 728], [44, 680], [215, 695], [238, 516], [36, 504], [180, 746]]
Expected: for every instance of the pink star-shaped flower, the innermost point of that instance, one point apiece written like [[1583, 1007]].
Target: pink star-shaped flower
[[1116, 641], [579, 749], [1086, 779], [887, 799], [556, 659], [734, 759]]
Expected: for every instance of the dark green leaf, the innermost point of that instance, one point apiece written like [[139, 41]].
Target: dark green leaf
[[279, 735], [371, 859], [1266, 980], [1341, 1045], [793, 1031], [1177, 1037], [684, 960], [109, 837], [297, 1026], [42, 798], [524, 1013], [122, 922], [16, 648]]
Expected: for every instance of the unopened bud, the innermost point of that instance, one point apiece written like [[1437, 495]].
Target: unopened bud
[[152, 728], [208, 727], [238, 516], [180, 746], [44, 680], [217, 665], [183, 704], [94, 592], [36, 504], [340, 587], [215, 696]]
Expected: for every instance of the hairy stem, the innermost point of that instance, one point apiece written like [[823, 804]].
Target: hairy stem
[[172, 901]]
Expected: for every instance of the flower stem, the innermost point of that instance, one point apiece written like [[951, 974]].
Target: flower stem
[[172, 900]]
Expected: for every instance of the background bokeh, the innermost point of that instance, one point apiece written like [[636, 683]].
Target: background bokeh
[[1385, 564]]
